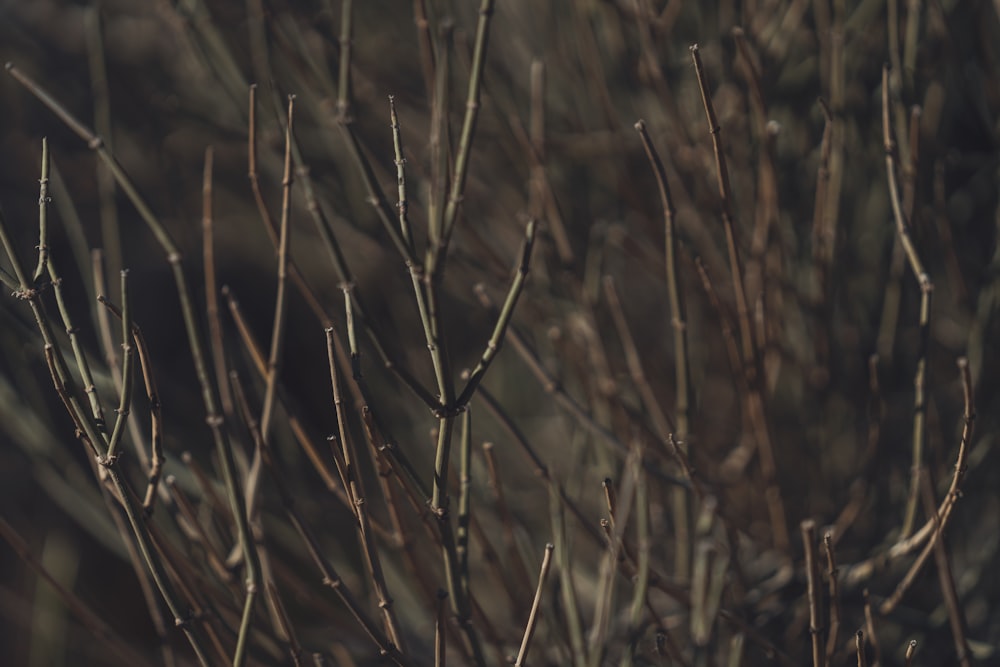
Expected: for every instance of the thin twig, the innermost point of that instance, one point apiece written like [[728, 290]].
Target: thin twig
[[870, 628], [926, 289], [440, 626], [567, 588], [128, 362], [833, 574], [330, 577], [279, 321], [157, 459], [208, 393], [812, 579], [936, 524], [96, 63], [529, 630], [465, 140], [43, 217], [750, 357], [503, 320], [956, 616], [356, 489]]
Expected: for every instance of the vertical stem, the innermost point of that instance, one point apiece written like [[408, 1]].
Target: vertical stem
[[43, 215], [356, 490], [128, 361], [751, 363], [812, 579], [926, 290], [344, 74], [110, 231], [464, 499], [859, 645], [529, 631], [831, 559], [956, 617], [682, 563]]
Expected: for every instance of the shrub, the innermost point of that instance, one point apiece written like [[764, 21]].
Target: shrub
[[566, 340]]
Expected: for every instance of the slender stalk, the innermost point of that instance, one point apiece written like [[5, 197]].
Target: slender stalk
[[464, 500], [543, 203], [213, 553], [870, 627], [681, 507], [644, 535], [285, 625], [529, 630], [540, 469], [503, 320], [728, 219], [823, 243], [357, 492], [859, 644], [88, 433], [43, 214], [279, 321], [468, 130], [423, 25], [926, 289], [439, 141], [677, 311], [812, 579], [330, 577], [408, 473], [345, 121], [280, 305], [86, 423], [341, 268], [213, 418], [96, 64], [216, 345], [867, 568], [567, 586], [751, 362], [440, 627], [318, 460], [344, 74], [956, 617], [128, 361], [156, 568], [832, 573], [403, 205], [424, 291], [79, 354]]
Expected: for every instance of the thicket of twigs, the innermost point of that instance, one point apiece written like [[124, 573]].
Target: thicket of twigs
[[570, 333]]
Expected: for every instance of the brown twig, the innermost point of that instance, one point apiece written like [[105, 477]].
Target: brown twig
[[870, 628], [936, 524], [926, 289], [529, 630], [812, 578], [956, 616], [833, 574]]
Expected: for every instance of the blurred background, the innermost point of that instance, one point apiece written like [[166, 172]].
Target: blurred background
[[833, 305]]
